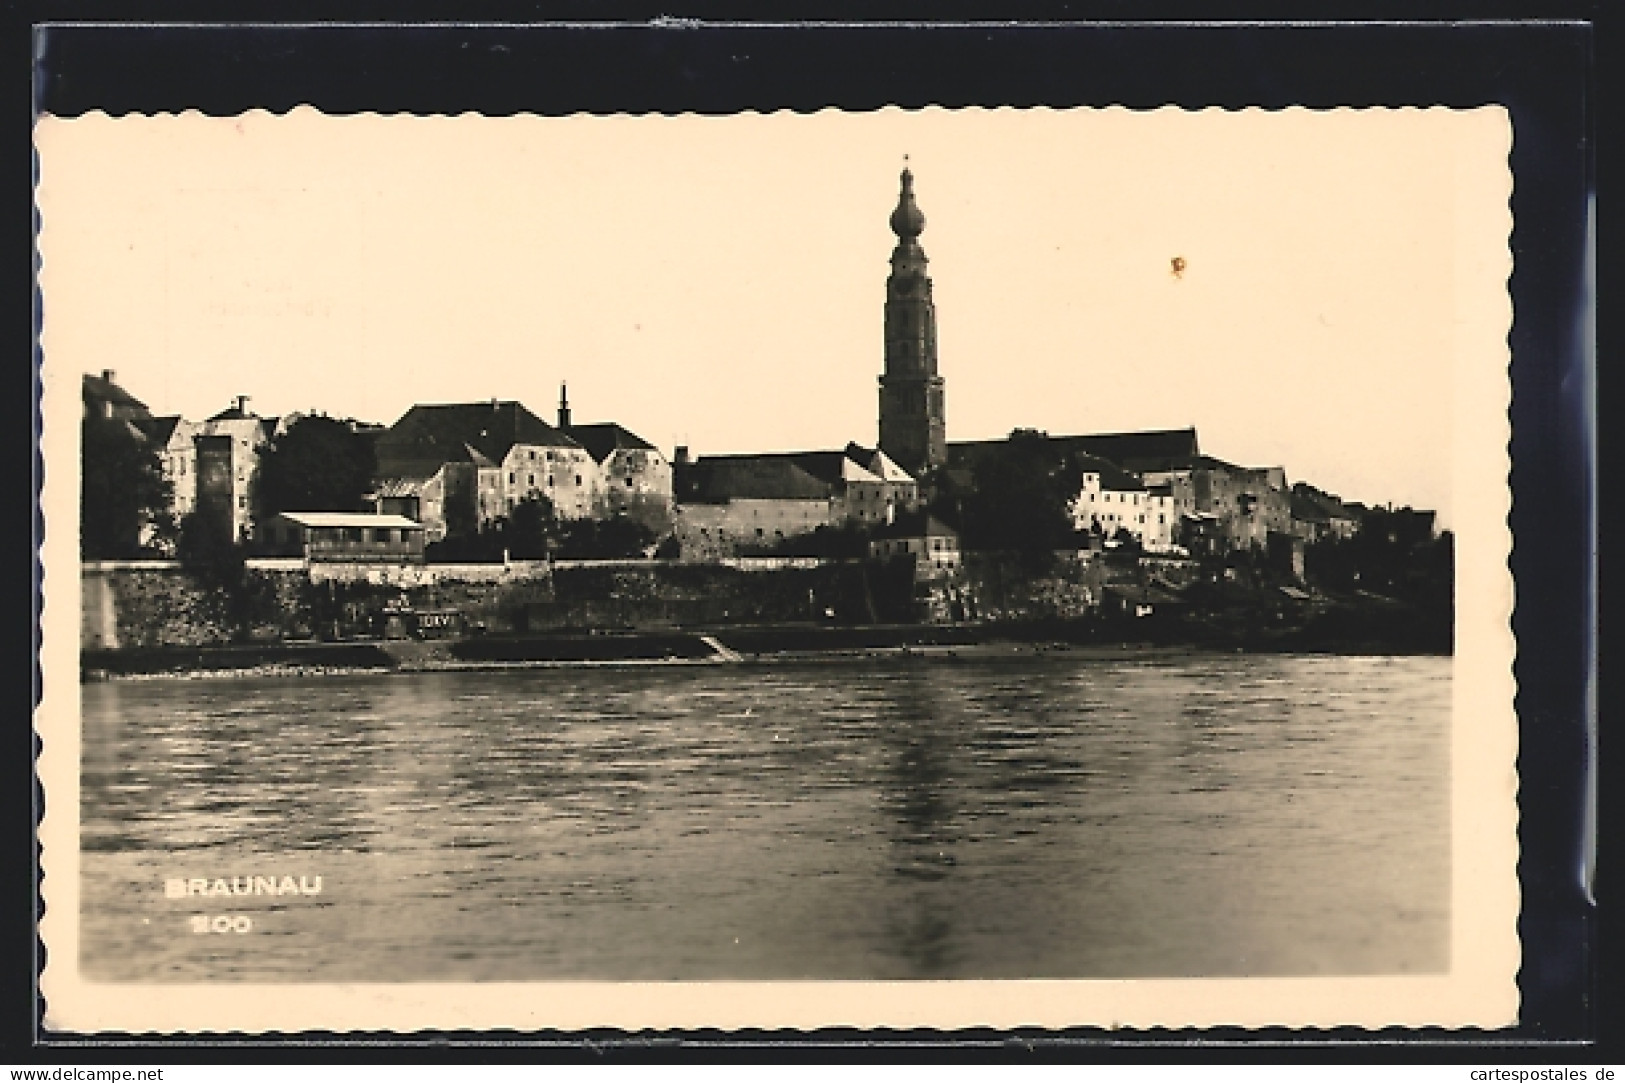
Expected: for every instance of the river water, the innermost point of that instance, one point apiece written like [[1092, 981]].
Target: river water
[[1065, 815]]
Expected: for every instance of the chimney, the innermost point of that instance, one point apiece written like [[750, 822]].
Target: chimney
[[679, 455], [242, 404], [495, 405], [564, 407], [108, 374]]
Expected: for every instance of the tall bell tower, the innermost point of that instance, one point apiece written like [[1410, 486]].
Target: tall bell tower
[[913, 432]]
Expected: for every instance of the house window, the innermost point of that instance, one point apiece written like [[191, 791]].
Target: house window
[[352, 534], [530, 480], [242, 501], [550, 481], [628, 483], [510, 479]]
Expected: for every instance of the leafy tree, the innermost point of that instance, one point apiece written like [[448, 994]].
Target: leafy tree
[[1021, 498], [530, 531], [217, 560], [124, 494], [604, 539], [1126, 541], [319, 464], [530, 528], [207, 549], [848, 538]]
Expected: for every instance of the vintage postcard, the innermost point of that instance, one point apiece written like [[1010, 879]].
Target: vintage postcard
[[939, 568]]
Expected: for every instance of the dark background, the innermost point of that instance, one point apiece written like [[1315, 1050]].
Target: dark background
[[1543, 72]]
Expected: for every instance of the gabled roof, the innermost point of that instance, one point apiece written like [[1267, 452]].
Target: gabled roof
[[1183, 463], [962, 459], [878, 463], [604, 438], [100, 389], [349, 518], [1308, 510], [158, 430], [399, 486], [236, 413], [716, 479], [429, 435], [790, 475], [1331, 507], [1126, 448], [832, 467], [1112, 478]]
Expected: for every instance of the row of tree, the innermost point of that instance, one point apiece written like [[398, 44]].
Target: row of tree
[[532, 531]]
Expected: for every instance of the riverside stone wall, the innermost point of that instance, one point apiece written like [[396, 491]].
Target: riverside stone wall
[[162, 605], [995, 586]]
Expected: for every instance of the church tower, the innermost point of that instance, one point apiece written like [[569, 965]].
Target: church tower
[[912, 428]]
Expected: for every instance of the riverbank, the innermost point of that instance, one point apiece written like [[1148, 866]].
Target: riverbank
[[740, 645]]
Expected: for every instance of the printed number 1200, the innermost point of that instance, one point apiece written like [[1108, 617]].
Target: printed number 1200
[[222, 923]]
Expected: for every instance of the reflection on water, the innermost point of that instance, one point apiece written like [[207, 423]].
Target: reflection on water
[[1064, 816]]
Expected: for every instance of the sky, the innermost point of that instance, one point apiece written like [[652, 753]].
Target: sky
[[718, 281]]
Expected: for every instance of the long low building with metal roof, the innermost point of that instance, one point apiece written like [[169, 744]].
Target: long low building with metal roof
[[343, 536]]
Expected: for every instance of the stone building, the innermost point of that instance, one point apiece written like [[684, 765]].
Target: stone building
[[913, 427], [226, 464], [441, 496], [461, 466], [633, 478], [730, 503], [456, 467], [932, 543], [175, 440], [1318, 515], [1111, 499], [211, 465], [1112, 496], [1247, 504]]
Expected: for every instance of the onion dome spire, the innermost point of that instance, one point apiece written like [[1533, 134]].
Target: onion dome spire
[[907, 221]]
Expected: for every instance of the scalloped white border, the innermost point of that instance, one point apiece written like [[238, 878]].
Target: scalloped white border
[[1479, 990]]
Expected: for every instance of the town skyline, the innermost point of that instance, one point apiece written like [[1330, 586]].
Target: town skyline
[[297, 257]]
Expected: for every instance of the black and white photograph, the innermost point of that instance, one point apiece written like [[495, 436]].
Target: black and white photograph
[[911, 567]]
